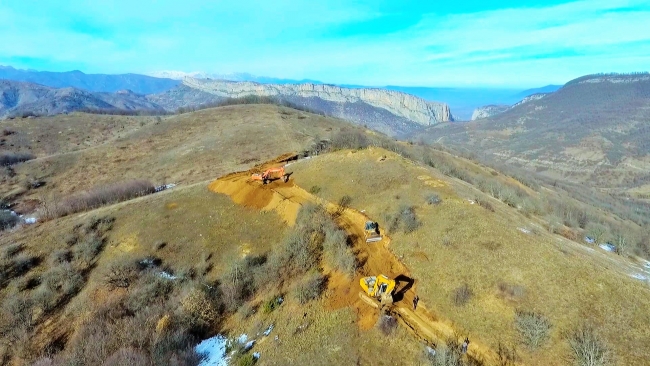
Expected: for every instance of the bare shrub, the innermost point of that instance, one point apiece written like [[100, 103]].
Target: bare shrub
[[511, 290], [58, 285], [484, 203], [433, 199], [239, 282], [16, 267], [7, 220], [104, 195], [11, 250], [121, 273], [201, 305], [128, 356], [8, 158], [149, 289], [447, 356], [310, 287], [386, 324], [405, 218], [588, 349], [314, 189], [462, 295], [86, 251], [597, 231], [346, 139], [533, 328], [60, 256], [337, 251]]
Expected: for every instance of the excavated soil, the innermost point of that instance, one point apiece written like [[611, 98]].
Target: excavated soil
[[375, 258]]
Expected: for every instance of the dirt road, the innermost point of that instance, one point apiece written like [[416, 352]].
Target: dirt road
[[375, 258]]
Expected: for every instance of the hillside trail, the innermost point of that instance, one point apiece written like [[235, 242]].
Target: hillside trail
[[374, 258]]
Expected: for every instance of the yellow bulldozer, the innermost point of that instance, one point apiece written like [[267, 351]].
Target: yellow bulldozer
[[380, 287], [372, 232]]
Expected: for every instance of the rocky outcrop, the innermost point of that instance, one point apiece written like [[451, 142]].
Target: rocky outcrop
[[530, 98], [488, 111], [492, 110], [399, 104]]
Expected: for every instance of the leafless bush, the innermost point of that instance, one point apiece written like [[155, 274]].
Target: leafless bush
[[310, 287], [588, 349], [533, 328], [58, 285], [337, 251], [128, 356], [16, 267], [7, 220], [349, 140], [149, 288], [447, 356], [484, 203], [8, 158], [433, 199], [386, 324], [462, 295], [200, 304], [86, 251], [405, 218], [104, 195], [121, 273], [11, 250], [59, 257], [512, 291]]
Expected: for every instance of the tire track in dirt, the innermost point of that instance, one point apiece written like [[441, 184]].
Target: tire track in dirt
[[375, 258]]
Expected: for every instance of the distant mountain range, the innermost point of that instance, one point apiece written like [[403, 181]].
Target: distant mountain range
[[462, 101], [140, 84], [391, 112], [594, 130]]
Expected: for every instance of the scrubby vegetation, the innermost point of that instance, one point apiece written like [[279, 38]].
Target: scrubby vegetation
[[8, 158], [96, 197], [533, 328], [588, 349]]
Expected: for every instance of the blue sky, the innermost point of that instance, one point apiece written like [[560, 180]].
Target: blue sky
[[368, 42]]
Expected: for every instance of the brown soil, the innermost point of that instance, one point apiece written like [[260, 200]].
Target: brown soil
[[375, 258]]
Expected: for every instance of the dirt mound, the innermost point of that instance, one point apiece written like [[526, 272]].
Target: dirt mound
[[374, 258]]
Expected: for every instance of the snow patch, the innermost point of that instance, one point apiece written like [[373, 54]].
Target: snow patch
[[639, 276], [214, 351], [268, 330], [523, 230], [590, 240], [608, 247], [167, 275]]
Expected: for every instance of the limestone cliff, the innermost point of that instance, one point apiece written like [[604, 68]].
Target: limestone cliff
[[400, 104], [488, 110]]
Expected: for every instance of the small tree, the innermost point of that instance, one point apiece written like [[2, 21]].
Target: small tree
[[597, 231], [621, 242]]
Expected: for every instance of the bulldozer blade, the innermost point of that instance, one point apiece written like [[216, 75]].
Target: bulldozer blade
[[373, 239]]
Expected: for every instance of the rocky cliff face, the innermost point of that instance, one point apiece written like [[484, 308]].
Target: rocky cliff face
[[488, 110], [493, 110], [399, 104]]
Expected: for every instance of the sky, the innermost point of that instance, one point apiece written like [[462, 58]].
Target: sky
[[366, 42]]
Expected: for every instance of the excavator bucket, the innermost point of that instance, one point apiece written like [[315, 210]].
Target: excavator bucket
[[372, 232]]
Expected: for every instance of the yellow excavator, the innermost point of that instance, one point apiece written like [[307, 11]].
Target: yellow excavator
[[372, 232], [271, 174], [380, 287]]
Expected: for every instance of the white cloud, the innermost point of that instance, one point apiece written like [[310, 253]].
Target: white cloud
[[284, 38]]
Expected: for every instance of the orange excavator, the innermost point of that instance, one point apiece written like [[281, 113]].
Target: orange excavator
[[271, 174]]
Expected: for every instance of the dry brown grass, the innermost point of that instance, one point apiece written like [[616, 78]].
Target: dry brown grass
[[182, 149], [563, 281]]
